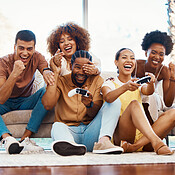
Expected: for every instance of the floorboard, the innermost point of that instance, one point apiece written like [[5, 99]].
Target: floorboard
[[142, 169]]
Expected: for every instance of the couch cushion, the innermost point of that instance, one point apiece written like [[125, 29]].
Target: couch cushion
[[106, 74], [23, 116], [16, 121], [17, 130]]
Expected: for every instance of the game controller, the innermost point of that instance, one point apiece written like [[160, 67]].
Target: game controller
[[78, 91], [143, 80]]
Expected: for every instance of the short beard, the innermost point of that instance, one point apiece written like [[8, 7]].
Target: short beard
[[75, 81]]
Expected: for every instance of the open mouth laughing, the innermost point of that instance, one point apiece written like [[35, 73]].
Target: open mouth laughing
[[24, 59], [80, 78], [155, 62], [68, 49], [128, 67]]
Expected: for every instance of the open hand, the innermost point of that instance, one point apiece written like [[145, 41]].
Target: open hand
[[48, 76], [90, 68]]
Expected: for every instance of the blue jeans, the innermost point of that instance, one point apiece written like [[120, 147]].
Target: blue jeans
[[25, 103], [103, 124]]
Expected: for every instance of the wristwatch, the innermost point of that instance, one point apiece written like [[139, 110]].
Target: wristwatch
[[47, 68]]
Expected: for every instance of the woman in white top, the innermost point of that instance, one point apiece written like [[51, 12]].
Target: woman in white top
[[156, 45], [132, 116]]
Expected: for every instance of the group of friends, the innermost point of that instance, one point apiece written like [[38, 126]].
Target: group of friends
[[113, 118]]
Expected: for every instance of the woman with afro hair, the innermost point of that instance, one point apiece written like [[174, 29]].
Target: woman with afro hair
[[64, 41], [156, 45]]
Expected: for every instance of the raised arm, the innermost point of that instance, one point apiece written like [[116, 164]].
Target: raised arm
[[169, 85], [45, 70], [94, 67], [149, 88], [6, 86], [51, 95], [110, 95], [94, 102], [92, 107]]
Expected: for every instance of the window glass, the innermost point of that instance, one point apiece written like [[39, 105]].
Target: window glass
[[114, 24], [40, 16]]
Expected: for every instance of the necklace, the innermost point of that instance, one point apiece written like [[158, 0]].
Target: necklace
[[156, 72]]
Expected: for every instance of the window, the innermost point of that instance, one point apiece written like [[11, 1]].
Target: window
[[37, 15], [114, 24]]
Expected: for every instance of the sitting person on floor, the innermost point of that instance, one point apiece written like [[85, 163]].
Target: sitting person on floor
[[157, 45], [132, 117], [17, 74], [80, 125]]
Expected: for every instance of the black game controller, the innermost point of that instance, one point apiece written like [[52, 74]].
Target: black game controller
[[143, 80], [78, 91]]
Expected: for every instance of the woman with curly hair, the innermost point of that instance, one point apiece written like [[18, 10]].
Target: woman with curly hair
[[64, 41], [156, 45]]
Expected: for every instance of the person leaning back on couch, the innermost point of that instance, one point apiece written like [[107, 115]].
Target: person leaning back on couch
[[16, 81], [80, 121]]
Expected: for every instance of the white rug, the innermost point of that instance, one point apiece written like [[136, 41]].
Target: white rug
[[48, 158]]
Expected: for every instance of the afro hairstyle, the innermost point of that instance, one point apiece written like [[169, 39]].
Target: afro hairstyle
[[77, 33], [157, 37]]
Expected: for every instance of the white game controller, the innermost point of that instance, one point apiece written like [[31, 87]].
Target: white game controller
[[78, 91], [144, 80]]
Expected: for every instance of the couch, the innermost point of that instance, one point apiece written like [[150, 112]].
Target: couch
[[16, 121]]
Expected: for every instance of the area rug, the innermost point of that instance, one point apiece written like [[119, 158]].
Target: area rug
[[48, 158]]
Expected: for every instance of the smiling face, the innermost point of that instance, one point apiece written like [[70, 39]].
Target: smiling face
[[155, 54], [24, 50], [78, 75], [67, 45], [126, 62]]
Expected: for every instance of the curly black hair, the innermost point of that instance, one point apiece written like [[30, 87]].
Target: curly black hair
[[157, 37], [79, 34]]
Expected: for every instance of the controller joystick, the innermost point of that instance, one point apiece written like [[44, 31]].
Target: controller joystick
[[78, 91], [143, 80]]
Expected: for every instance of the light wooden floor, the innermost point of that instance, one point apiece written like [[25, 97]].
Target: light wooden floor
[[147, 169]]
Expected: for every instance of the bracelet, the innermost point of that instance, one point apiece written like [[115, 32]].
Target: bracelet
[[47, 68], [91, 105], [172, 80]]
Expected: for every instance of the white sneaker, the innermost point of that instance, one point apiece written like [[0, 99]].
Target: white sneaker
[[65, 148], [106, 147], [12, 146], [30, 146]]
